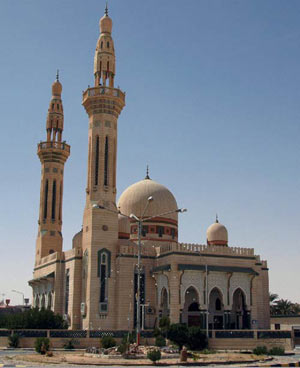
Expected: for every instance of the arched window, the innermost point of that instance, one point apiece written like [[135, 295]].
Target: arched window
[[103, 274], [107, 44], [108, 66], [218, 304], [67, 288], [101, 44], [106, 162], [46, 200], [97, 160], [53, 199]]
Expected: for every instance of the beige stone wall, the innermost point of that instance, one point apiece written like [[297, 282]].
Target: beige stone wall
[[286, 322]]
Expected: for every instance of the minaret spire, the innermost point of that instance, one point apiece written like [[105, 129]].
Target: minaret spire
[[106, 10], [57, 75], [217, 219], [147, 173]]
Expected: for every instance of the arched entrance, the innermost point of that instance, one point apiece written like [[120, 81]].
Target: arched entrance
[[216, 310], [191, 312], [240, 316], [164, 305]]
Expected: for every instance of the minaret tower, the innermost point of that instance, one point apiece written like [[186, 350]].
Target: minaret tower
[[53, 154], [103, 104]]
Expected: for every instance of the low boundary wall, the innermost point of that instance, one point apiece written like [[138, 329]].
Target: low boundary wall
[[218, 339]]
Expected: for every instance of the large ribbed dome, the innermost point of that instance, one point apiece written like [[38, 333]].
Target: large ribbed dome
[[134, 200]]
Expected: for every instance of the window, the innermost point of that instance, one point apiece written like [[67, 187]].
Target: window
[[97, 161], [173, 233], [53, 199], [107, 45], [57, 105], [277, 326], [106, 162], [218, 304], [53, 106], [67, 291], [46, 200], [160, 231], [101, 46], [144, 230], [103, 274]]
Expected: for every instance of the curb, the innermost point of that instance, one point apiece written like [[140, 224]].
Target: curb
[[296, 364]]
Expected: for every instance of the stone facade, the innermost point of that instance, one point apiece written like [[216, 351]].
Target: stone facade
[[94, 285]]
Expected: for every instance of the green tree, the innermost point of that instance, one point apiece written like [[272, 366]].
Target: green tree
[[178, 333], [197, 339]]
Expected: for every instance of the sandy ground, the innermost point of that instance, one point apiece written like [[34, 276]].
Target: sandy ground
[[79, 358]]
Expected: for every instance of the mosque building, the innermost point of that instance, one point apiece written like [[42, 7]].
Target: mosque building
[[102, 282]]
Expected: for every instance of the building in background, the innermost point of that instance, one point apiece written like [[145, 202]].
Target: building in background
[[95, 284]]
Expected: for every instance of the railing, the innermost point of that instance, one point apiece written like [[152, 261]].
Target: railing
[[100, 91], [70, 334], [57, 145], [206, 249], [51, 257], [274, 334], [234, 334]]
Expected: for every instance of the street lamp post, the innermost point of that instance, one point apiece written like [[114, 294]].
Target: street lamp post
[[140, 226], [19, 292]]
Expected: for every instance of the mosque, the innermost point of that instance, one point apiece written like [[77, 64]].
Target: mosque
[[126, 266]]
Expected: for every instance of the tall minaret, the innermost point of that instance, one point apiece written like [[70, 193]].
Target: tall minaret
[[103, 104], [53, 154]]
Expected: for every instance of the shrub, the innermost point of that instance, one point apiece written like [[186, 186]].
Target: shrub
[[154, 355], [260, 350], [42, 345], [123, 349], [207, 351], [69, 345], [277, 350], [108, 342], [160, 341], [130, 338], [197, 339], [14, 340], [178, 334], [164, 325]]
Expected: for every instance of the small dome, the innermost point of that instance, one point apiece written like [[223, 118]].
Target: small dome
[[77, 240], [135, 199], [105, 24], [217, 234], [56, 88], [124, 227]]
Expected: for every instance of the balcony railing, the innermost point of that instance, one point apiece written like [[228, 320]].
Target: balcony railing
[[108, 91], [57, 145]]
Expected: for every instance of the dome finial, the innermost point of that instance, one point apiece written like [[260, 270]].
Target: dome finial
[[217, 219], [57, 75], [106, 10], [147, 173]]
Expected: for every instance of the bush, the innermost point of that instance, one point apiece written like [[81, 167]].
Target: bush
[[154, 355], [13, 340], [42, 345], [160, 341], [33, 319], [178, 333], [277, 350], [197, 339], [207, 351], [164, 325], [69, 345], [260, 350], [108, 342], [130, 338]]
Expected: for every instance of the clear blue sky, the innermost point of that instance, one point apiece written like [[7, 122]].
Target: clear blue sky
[[212, 106]]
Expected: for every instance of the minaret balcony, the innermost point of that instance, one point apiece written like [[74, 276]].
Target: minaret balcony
[[54, 145], [103, 91]]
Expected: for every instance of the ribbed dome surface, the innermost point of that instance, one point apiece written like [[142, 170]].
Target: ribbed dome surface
[[217, 234], [134, 200]]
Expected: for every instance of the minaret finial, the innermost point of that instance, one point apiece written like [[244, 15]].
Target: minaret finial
[[106, 10], [57, 75], [147, 173], [217, 219]]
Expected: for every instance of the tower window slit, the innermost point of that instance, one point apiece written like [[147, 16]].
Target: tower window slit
[[106, 162], [46, 200], [60, 202], [67, 291], [107, 44], [108, 66], [53, 200], [97, 160]]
